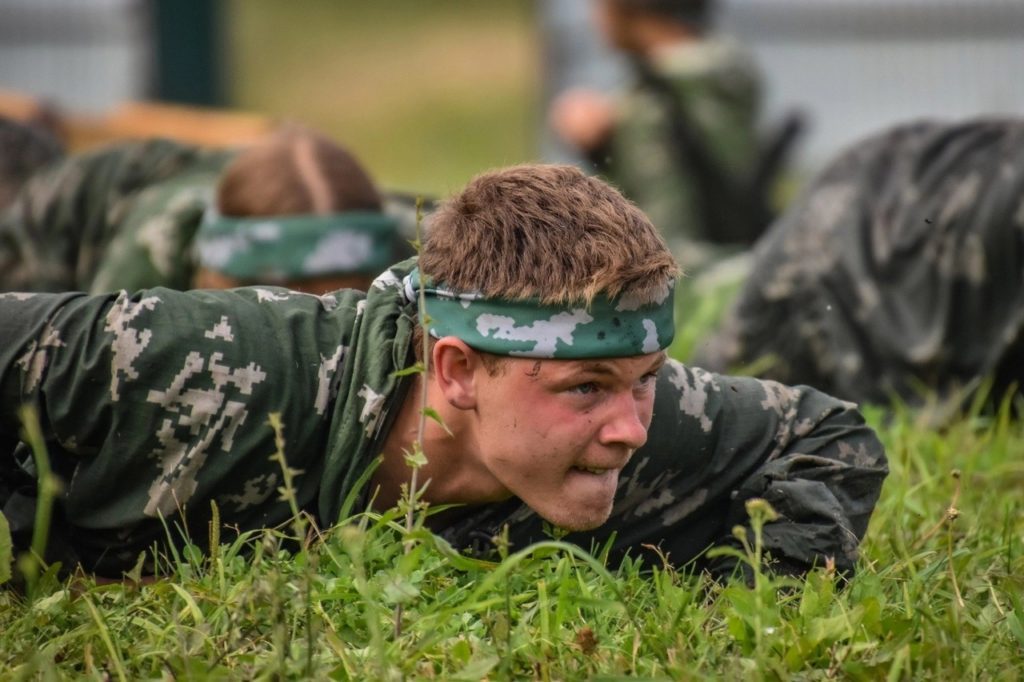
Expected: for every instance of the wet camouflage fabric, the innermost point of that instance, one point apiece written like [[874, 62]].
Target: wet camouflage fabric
[[126, 217], [718, 87], [604, 329], [120, 217], [159, 401], [899, 272]]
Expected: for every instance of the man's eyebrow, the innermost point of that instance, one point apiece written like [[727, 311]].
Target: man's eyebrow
[[595, 367], [604, 368]]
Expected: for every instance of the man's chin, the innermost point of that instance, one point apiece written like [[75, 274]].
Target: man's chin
[[577, 522]]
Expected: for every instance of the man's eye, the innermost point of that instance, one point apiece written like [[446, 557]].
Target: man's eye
[[584, 389], [647, 380]]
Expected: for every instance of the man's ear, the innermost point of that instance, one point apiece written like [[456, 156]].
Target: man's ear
[[454, 366]]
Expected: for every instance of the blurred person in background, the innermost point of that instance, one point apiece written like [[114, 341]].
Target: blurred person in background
[[898, 274], [295, 210], [682, 142]]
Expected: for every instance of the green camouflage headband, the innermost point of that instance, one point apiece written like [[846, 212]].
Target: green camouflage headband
[[296, 247], [607, 328]]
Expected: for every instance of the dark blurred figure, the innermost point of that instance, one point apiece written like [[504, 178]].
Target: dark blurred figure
[[898, 274], [25, 148], [682, 142], [295, 210]]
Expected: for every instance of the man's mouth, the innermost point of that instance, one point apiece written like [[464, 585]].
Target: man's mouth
[[594, 470]]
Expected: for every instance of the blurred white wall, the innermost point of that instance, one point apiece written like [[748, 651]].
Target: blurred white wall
[[85, 55], [859, 65]]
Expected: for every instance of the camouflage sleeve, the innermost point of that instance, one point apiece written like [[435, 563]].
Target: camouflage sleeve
[[54, 236], [156, 404], [809, 455]]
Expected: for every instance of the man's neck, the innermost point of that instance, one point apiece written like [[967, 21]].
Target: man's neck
[[450, 471]]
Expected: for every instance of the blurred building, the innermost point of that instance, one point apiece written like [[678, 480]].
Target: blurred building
[[81, 54], [88, 55], [854, 66]]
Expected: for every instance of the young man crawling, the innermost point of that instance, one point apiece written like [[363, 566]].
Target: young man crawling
[[549, 306]]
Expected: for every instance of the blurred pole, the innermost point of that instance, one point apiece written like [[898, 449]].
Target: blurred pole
[[189, 50]]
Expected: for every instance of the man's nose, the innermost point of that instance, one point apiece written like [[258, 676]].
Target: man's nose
[[626, 424]]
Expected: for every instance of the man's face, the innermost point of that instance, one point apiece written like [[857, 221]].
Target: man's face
[[556, 433]]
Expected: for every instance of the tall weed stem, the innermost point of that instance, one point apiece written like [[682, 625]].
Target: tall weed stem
[[48, 486]]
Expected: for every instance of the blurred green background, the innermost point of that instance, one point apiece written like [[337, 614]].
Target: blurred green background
[[427, 94]]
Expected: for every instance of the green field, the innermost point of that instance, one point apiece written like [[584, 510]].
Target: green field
[[939, 595], [426, 93]]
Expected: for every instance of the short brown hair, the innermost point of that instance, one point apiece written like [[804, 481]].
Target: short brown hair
[[548, 232], [295, 172]]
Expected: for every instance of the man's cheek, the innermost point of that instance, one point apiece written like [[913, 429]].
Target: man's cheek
[[648, 411], [515, 469]]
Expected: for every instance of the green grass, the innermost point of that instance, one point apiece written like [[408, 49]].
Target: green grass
[[426, 94], [938, 595]]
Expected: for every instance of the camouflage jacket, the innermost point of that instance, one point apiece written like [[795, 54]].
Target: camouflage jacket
[[121, 217], [125, 217], [157, 404], [897, 273], [718, 91]]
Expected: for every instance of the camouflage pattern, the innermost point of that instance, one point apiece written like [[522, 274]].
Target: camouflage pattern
[[156, 404], [718, 87], [164, 396], [25, 148], [126, 217], [524, 328], [286, 248], [898, 273], [120, 217]]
